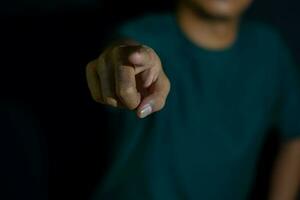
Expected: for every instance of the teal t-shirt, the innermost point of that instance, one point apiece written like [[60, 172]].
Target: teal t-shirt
[[205, 143]]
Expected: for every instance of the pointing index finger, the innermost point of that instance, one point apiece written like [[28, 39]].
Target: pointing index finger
[[139, 56], [125, 81]]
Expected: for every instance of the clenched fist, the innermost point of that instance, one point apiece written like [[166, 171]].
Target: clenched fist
[[129, 76]]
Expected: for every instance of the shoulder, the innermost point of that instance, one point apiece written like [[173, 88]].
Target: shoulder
[[263, 34]]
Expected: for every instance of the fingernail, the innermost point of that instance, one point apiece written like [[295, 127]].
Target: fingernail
[[146, 110]]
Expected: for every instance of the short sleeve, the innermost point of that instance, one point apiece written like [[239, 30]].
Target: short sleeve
[[289, 110]]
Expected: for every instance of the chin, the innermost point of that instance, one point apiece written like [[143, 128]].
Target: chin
[[225, 9], [220, 13]]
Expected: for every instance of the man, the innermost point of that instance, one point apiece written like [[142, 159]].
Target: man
[[231, 81]]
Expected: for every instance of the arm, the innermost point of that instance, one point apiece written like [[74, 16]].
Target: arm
[[285, 183]]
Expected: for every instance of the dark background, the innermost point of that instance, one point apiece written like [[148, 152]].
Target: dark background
[[45, 46]]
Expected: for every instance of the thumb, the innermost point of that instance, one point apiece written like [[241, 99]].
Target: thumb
[[156, 99]]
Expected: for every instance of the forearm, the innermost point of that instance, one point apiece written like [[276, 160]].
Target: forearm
[[285, 181]]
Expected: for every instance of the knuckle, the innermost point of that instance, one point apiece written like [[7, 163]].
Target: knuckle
[[126, 92], [168, 85], [147, 49], [111, 101], [97, 99], [161, 102], [114, 52], [101, 69], [152, 52], [101, 64], [132, 106], [106, 56], [91, 65], [157, 62], [166, 82]]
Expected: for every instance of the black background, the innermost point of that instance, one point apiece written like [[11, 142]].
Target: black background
[[45, 46]]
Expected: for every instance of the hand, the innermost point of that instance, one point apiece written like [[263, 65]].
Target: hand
[[129, 76]]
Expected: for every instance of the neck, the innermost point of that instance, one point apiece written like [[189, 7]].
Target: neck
[[214, 34]]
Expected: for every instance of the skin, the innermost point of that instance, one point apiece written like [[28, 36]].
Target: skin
[[210, 24], [218, 10], [285, 183], [130, 75]]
